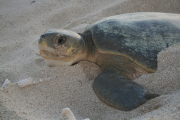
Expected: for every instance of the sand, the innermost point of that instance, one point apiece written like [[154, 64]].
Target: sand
[[55, 88]]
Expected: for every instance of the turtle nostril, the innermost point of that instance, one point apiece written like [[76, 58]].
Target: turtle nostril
[[42, 36]]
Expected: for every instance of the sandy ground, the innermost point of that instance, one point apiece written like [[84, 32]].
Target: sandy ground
[[54, 88]]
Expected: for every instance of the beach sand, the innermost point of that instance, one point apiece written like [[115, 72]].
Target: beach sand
[[55, 88]]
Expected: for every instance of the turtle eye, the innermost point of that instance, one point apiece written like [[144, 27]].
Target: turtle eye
[[61, 40]]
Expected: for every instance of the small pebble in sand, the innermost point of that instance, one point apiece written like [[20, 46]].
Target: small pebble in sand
[[68, 115], [25, 82], [6, 82]]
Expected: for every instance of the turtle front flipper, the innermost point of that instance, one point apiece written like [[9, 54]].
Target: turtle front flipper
[[119, 92]]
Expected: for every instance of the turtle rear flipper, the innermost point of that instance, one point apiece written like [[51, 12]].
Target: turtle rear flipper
[[119, 92]]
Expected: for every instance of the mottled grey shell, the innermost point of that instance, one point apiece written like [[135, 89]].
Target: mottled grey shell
[[137, 36]]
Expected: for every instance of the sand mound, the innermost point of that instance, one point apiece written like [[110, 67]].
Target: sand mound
[[55, 88]]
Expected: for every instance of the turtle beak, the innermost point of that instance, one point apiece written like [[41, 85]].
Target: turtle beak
[[46, 43]]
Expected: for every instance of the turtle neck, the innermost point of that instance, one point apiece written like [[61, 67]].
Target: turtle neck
[[89, 44]]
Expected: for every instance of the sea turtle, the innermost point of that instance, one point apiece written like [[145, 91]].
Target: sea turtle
[[124, 46]]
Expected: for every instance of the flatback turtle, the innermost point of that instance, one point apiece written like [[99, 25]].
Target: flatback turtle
[[124, 46]]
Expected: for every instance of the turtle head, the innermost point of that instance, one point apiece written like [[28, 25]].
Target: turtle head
[[61, 47]]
